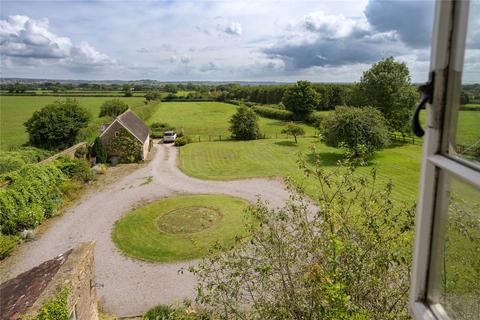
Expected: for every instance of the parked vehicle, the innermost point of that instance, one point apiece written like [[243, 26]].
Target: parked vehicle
[[169, 136]]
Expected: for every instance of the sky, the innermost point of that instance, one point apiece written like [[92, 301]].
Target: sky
[[176, 40]]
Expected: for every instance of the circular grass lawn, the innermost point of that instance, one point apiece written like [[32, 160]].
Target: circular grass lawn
[[181, 228]]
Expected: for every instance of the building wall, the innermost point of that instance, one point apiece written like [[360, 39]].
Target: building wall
[[146, 148], [109, 135]]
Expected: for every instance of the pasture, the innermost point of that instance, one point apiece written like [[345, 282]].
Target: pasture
[[210, 119], [278, 158], [15, 110]]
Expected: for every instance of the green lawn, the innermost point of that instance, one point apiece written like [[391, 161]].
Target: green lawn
[[278, 157], [210, 119], [15, 110], [181, 228]]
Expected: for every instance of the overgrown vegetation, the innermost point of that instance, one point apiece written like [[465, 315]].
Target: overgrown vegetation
[[273, 113], [16, 158], [56, 308], [126, 147], [347, 259]]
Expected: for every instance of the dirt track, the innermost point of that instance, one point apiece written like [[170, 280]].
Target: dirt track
[[131, 286]]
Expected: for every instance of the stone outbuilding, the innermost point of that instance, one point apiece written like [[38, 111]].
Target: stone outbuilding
[[127, 138], [71, 273]]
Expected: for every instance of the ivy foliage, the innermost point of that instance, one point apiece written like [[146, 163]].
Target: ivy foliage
[[126, 147], [32, 194], [56, 308]]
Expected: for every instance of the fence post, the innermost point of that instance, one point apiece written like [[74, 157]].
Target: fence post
[[209, 138], [220, 138], [276, 135], [198, 138]]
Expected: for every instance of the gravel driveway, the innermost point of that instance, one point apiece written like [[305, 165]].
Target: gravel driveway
[[131, 286]]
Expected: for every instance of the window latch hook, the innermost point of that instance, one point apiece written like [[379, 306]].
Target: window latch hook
[[427, 97]]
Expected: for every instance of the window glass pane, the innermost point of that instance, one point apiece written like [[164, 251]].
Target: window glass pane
[[461, 259], [467, 137]]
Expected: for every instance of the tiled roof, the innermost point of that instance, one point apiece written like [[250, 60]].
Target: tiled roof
[[134, 124], [21, 292]]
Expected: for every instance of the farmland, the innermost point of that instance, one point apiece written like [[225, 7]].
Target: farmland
[[15, 110]]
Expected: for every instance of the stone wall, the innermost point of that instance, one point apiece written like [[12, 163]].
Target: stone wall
[[70, 152], [78, 274]]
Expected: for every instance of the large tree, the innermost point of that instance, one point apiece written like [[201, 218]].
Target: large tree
[[244, 124], [56, 125], [387, 87], [301, 99], [113, 108]]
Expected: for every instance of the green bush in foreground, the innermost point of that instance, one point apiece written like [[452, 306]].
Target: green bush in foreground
[[349, 258], [181, 141], [16, 158], [75, 168]]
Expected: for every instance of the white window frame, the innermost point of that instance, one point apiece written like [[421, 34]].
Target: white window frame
[[438, 163]]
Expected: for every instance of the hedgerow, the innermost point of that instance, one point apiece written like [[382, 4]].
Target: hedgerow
[[274, 113], [31, 195], [14, 159]]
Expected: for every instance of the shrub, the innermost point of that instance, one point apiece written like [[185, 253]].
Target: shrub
[[82, 152], [179, 133], [99, 151], [31, 195], [351, 127], [7, 244], [180, 141], [244, 124], [161, 126], [113, 108], [78, 169], [57, 125], [160, 312], [273, 113]]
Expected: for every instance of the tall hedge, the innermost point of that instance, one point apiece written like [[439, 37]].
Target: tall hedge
[[273, 113], [31, 194]]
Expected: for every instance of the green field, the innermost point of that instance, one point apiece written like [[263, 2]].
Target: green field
[[278, 157], [468, 128], [181, 228], [210, 119], [15, 110]]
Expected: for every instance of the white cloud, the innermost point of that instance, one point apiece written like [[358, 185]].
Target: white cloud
[[234, 29], [24, 39], [333, 26]]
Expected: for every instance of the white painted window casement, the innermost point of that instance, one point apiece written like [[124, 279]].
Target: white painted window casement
[[450, 176]]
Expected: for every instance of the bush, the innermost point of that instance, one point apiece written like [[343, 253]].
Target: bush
[[113, 108], [179, 133], [7, 244], [180, 141], [153, 95], [160, 312], [273, 113], [244, 124], [349, 258], [82, 152], [162, 126], [353, 127], [78, 169]]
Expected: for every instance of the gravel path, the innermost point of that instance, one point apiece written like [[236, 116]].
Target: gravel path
[[131, 286]]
